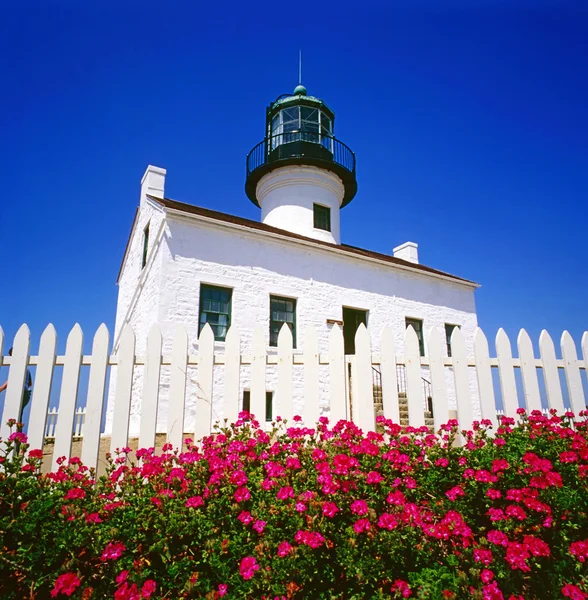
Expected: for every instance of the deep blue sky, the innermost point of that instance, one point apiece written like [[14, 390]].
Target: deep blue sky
[[470, 127]]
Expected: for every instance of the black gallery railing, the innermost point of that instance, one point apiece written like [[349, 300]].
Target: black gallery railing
[[298, 144]]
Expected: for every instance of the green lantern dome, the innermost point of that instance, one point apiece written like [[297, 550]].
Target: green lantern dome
[[300, 90]]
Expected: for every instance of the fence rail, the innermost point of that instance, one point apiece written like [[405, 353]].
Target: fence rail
[[465, 381]]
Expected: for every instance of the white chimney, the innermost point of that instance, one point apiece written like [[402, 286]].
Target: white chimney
[[408, 251], [153, 183]]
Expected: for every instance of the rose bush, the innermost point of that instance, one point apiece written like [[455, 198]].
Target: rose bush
[[307, 513]]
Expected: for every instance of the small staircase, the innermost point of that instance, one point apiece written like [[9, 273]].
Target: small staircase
[[402, 409]]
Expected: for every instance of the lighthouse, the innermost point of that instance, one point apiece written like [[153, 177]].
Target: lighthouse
[[300, 174]]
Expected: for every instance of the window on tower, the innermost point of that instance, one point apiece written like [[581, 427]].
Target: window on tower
[[322, 217], [215, 309]]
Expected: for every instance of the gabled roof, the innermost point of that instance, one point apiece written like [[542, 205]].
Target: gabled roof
[[351, 250]]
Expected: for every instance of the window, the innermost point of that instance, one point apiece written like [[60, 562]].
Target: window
[[322, 217], [417, 325], [448, 331], [282, 310], [269, 399], [145, 246], [215, 309]]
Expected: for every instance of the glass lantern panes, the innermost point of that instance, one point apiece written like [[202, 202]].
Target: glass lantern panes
[[215, 309], [282, 310], [326, 132], [291, 119], [301, 123], [309, 124]]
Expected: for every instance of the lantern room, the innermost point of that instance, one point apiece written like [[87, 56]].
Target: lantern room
[[299, 164]]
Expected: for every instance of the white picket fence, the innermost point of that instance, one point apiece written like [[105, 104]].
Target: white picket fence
[[78, 427], [483, 402]]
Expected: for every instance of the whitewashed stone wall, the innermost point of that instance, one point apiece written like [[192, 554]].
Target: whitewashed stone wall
[[255, 266], [138, 300]]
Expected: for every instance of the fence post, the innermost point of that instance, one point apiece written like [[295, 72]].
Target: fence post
[[232, 374], [528, 372], [150, 396], [337, 376], [484, 376], [68, 396], [258, 365], [388, 370], [16, 379], [414, 393], [177, 389], [284, 386], [311, 377], [124, 387], [438, 383], [362, 382], [42, 388], [203, 413], [508, 385], [95, 402], [462, 384], [570, 357], [550, 372]]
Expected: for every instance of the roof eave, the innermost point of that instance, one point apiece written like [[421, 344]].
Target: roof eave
[[339, 249]]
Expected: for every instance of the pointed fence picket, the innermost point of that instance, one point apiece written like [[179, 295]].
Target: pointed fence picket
[[69, 395], [95, 402], [42, 388], [570, 358], [416, 415], [484, 378], [150, 397], [311, 377], [508, 384], [362, 382], [177, 388], [550, 374], [276, 367], [258, 369], [283, 406], [337, 376], [232, 374], [123, 392], [16, 379], [461, 375], [528, 372], [204, 383], [438, 382], [388, 370]]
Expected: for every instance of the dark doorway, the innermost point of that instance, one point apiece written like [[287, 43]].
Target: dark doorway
[[352, 319]]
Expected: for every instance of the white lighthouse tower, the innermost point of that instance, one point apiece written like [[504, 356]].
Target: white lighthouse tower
[[300, 175]]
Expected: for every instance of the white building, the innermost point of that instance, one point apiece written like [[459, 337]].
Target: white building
[[188, 266]]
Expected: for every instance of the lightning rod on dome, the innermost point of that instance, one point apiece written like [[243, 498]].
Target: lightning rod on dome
[[299, 67]]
